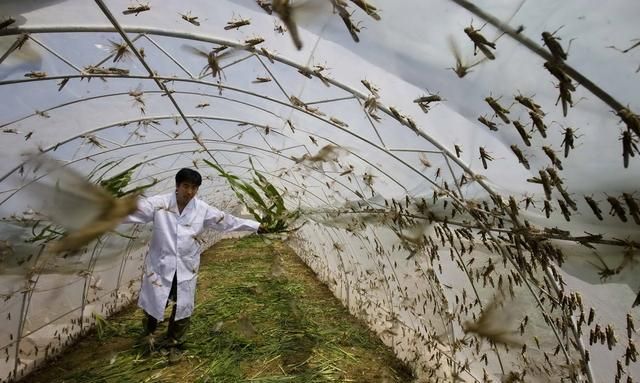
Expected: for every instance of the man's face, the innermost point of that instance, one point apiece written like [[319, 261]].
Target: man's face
[[185, 191]]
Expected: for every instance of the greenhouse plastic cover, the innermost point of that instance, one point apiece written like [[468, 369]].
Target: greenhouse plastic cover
[[468, 271]]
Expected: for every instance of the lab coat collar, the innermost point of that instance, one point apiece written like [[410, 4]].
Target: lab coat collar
[[187, 209]]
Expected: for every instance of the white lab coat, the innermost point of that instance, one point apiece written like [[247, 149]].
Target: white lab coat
[[175, 249]]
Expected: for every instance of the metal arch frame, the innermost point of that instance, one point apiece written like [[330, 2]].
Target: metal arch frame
[[126, 93], [126, 122], [241, 91], [327, 121], [186, 141], [235, 44], [204, 117], [302, 110]]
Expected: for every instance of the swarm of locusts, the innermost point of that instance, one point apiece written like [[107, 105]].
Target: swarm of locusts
[[507, 248]]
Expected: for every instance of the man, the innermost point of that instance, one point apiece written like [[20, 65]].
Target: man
[[171, 266]]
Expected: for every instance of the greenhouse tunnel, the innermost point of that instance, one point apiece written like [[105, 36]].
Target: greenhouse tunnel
[[462, 175]]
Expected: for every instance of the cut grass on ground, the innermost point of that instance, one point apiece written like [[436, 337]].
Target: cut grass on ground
[[261, 316]]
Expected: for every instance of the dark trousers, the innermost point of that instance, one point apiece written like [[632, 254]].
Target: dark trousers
[[177, 328]]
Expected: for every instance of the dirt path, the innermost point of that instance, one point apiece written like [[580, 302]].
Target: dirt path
[[261, 316]]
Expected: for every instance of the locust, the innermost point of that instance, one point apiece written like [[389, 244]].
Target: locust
[[530, 104], [558, 73], [569, 136], [236, 24], [137, 96], [285, 10], [565, 210], [630, 119], [521, 158], [629, 146], [370, 87], [498, 109], [565, 96], [260, 80], [458, 150], [480, 42], [136, 9], [538, 123], [265, 5], [547, 208], [513, 206], [268, 55], [62, 83], [213, 59], [546, 184], [202, 105], [555, 161], [555, 179], [93, 140], [554, 46], [119, 51], [528, 201], [84, 209], [327, 153], [425, 101], [636, 44], [5, 23], [631, 354], [106, 71], [594, 207], [348, 171], [252, 42], [604, 272], [293, 129], [279, 28], [317, 71], [491, 325], [489, 124], [566, 197], [306, 72], [190, 19], [484, 156], [616, 208], [460, 69], [295, 101], [36, 74], [353, 29], [338, 122], [370, 9], [397, 115], [523, 133], [634, 210]]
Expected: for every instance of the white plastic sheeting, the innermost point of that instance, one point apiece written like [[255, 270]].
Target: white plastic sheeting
[[421, 273]]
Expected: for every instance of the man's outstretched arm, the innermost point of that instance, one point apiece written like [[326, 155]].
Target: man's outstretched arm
[[221, 221]]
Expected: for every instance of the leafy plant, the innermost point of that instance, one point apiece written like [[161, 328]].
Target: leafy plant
[[116, 184], [263, 200]]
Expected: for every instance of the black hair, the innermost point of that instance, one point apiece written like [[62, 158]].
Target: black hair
[[188, 175]]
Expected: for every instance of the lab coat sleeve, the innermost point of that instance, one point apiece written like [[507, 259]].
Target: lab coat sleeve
[[221, 221], [144, 214]]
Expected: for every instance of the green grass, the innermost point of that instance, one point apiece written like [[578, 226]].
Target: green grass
[[298, 331]]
